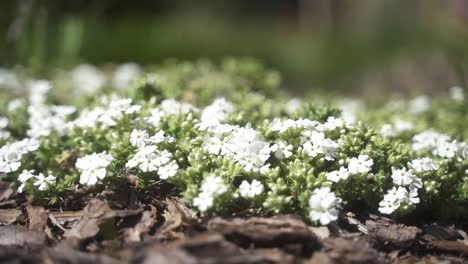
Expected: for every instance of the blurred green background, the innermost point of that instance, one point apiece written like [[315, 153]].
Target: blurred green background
[[352, 47]]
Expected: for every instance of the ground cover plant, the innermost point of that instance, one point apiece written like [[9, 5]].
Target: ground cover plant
[[227, 140]]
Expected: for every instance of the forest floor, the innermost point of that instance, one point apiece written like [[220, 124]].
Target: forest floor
[[119, 227]]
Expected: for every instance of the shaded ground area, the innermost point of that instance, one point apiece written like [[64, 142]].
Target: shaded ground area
[[116, 226]]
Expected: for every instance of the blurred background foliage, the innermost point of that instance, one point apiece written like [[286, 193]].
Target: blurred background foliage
[[353, 47]]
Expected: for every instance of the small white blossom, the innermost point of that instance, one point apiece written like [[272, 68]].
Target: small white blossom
[[43, 182], [404, 177], [387, 130], [424, 164], [446, 149], [203, 201], [403, 125], [457, 93], [337, 175], [138, 138], [168, 170], [212, 186], [125, 74], [419, 104], [323, 206], [250, 190], [388, 206], [282, 150], [93, 167], [361, 164], [87, 78]]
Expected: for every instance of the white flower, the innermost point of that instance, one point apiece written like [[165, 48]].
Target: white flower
[[411, 197], [457, 93], [26, 175], [244, 145], [213, 145], [361, 164], [168, 170], [216, 113], [429, 140], [125, 74], [3, 122], [424, 164], [43, 182], [323, 206], [388, 206], [337, 175], [405, 177], [387, 131], [38, 90], [138, 138], [10, 162], [212, 185], [159, 137], [93, 167], [203, 201], [87, 78], [282, 150], [293, 105], [14, 105], [446, 149], [403, 125], [250, 190], [333, 123], [419, 104]]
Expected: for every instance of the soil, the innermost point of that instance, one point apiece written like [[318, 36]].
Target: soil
[[119, 227]]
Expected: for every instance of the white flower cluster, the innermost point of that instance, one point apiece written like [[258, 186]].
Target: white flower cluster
[[4, 124], [9, 79], [215, 114], [43, 118], [42, 181], [211, 187], [243, 144], [324, 206], [424, 164], [166, 108], [106, 116], [331, 124], [125, 74], [93, 167], [11, 154], [406, 194], [439, 144], [87, 78], [357, 165], [149, 158], [315, 143], [398, 126]]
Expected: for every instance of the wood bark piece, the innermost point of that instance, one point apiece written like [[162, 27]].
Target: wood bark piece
[[437, 232], [14, 235], [387, 231], [37, 216], [448, 246], [352, 251], [147, 220], [9, 216], [207, 248], [286, 232]]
